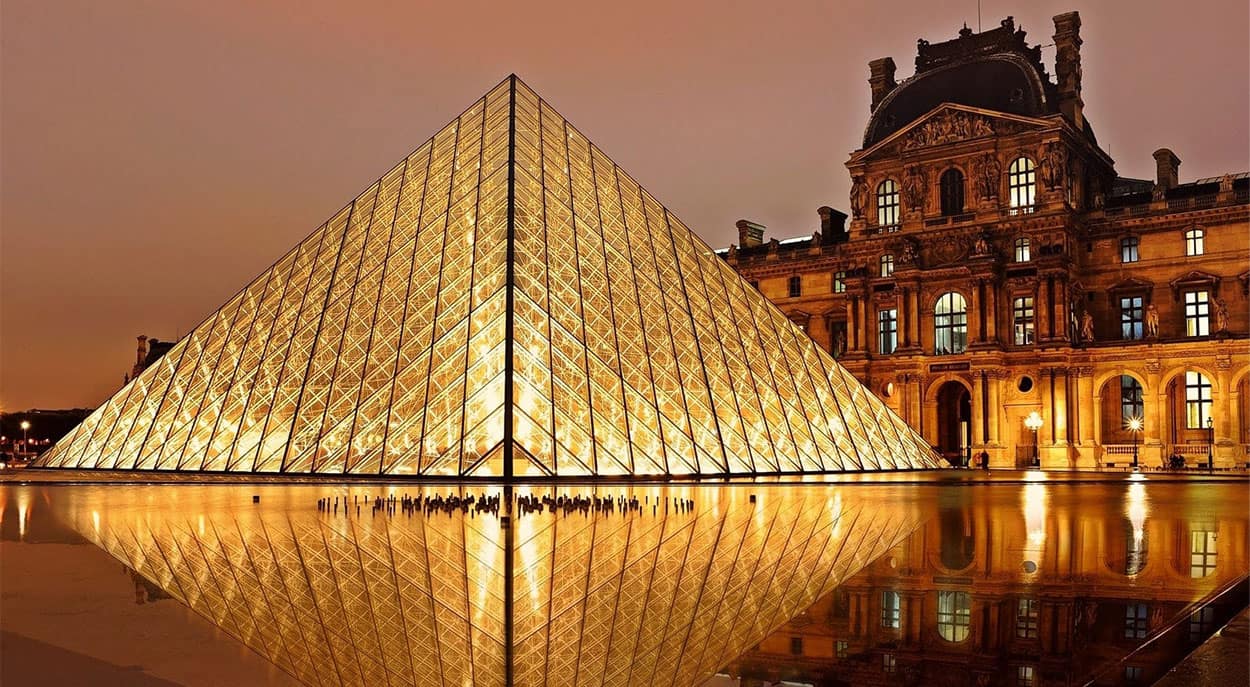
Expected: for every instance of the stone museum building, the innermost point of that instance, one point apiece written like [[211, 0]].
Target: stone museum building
[[1003, 289]]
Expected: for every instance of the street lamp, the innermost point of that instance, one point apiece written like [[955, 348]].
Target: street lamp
[[25, 426], [1210, 443], [1134, 425], [1034, 422]]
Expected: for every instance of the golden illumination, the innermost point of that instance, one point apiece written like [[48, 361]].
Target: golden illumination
[[635, 598], [505, 291]]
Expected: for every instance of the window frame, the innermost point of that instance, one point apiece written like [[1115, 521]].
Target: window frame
[[1198, 401], [839, 281], [1203, 559], [954, 620], [889, 205], [794, 286], [887, 330], [1130, 249], [886, 265], [1028, 617], [1195, 242], [951, 326], [1022, 185], [1132, 318], [1136, 620], [891, 610], [1022, 249], [1132, 400], [951, 194], [1197, 304], [1024, 320]]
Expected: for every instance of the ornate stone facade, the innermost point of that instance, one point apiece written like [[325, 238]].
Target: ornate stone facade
[[1024, 276]]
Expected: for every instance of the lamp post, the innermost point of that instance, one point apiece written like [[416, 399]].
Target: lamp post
[[1134, 426], [25, 445], [1210, 443], [1034, 423]]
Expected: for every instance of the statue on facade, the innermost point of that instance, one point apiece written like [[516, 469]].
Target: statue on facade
[[1221, 316], [911, 251], [1054, 164], [1152, 321], [981, 246], [914, 190], [1087, 327], [989, 172], [859, 197], [839, 343]]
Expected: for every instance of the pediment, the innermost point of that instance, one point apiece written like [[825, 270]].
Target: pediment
[[1195, 278], [949, 123], [1131, 284]]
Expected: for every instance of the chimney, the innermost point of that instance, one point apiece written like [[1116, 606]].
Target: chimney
[[143, 350], [832, 225], [881, 78], [750, 234], [1167, 166], [1068, 67]]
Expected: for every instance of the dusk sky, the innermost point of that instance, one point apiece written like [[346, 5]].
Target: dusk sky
[[155, 156]]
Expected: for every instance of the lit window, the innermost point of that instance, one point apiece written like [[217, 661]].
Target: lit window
[[890, 612], [951, 186], [1197, 313], [1132, 315], [1201, 553], [1201, 623], [1128, 249], [1136, 549], [1135, 623], [954, 615], [1195, 240], [796, 287], [1132, 405], [796, 646], [950, 324], [840, 648], [1023, 252], [839, 282], [887, 265], [1021, 185], [887, 331], [1022, 317], [887, 205], [888, 663], [1024, 676], [1197, 400], [1026, 618], [1132, 674]]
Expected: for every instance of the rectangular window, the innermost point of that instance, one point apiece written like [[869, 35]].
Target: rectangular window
[[1024, 250], [887, 331], [1197, 313], [887, 265], [1022, 317], [1202, 553], [1197, 400], [1024, 676], [1129, 249], [840, 648], [1132, 674], [1195, 242], [890, 612], [1026, 618], [1135, 621], [796, 287], [796, 646], [1201, 623], [1132, 403], [1132, 316], [839, 282], [888, 663]]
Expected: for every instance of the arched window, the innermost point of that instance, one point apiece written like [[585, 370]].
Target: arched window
[[1195, 240], [1024, 249], [887, 265], [1132, 404], [1197, 400], [954, 615], [952, 192], [950, 324], [795, 287], [887, 205], [1021, 185]]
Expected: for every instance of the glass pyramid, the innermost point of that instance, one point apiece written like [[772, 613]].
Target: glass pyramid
[[504, 301], [638, 598]]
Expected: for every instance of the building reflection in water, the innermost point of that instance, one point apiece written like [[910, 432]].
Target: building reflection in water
[[657, 595], [1061, 585]]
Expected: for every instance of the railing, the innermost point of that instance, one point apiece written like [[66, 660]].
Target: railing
[[1189, 450], [1118, 449]]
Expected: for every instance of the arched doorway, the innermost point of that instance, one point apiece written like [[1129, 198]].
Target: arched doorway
[[954, 422], [1190, 417], [1122, 414]]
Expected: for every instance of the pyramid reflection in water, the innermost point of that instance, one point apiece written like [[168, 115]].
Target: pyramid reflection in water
[[506, 300], [425, 599]]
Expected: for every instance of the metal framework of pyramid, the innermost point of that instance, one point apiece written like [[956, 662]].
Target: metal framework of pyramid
[[506, 301]]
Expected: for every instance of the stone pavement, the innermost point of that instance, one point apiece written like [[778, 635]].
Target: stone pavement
[[1222, 660]]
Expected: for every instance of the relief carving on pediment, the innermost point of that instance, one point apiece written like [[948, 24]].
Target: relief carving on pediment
[[947, 127]]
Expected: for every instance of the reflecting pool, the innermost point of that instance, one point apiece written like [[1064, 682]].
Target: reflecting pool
[[1012, 584]]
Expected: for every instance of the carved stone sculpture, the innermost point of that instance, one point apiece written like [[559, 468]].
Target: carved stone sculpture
[[989, 172], [947, 127], [859, 197], [914, 189], [1087, 327], [1221, 316], [1152, 321], [1054, 164]]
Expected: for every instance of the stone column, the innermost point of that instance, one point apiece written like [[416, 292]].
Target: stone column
[[1155, 396], [1086, 411], [915, 319], [978, 440], [991, 311], [904, 318], [996, 407], [975, 321], [1222, 411], [852, 334]]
